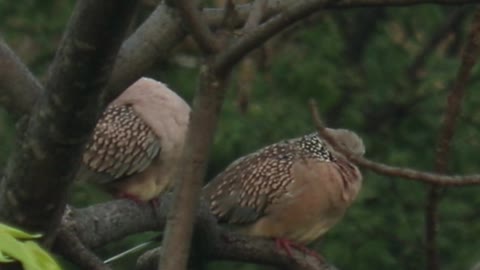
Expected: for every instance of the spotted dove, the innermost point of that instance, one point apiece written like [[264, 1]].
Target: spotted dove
[[294, 190], [137, 142]]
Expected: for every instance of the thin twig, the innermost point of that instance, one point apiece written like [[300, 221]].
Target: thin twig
[[380, 168], [469, 58], [436, 38], [198, 26], [454, 104], [251, 40]]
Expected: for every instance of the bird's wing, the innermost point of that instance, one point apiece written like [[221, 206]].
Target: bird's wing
[[244, 190], [122, 144]]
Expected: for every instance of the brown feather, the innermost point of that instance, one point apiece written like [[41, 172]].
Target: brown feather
[[296, 188]]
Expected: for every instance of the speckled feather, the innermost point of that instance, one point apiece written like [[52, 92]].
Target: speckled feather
[[122, 144], [244, 189]]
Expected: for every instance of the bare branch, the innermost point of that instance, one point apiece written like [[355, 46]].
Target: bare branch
[[18, 87], [203, 122], [103, 223], [198, 26], [263, 32], [437, 37], [107, 222], [426, 177], [162, 31], [235, 247], [64, 117], [72, 248], [296, 11], [454, 104]]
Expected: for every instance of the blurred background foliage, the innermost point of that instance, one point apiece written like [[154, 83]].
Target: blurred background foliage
[[383, 72]]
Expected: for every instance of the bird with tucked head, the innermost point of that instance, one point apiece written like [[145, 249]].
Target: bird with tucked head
[[137, 141], [293, 191]]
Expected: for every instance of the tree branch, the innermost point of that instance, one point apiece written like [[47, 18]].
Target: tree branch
[[455, 98], [426, 177], [454, 104], [203, 122], [72, 248], [440, 34], [103, 223], [255, 16], [200, 30], [154, 39], [64, 117], [18, 87], [162, 31], [263, 32], [236, 247]]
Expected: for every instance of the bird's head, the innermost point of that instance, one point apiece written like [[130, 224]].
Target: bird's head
[[348, 140]]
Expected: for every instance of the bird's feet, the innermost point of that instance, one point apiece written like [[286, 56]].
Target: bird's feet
[[287, 245]]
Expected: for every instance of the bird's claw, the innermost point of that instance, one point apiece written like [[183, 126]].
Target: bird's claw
[[287, 245]]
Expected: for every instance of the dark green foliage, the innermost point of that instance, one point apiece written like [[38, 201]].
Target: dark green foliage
[[367, 91]]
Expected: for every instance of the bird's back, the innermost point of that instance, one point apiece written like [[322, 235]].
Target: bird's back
[[295, 188], [137, 141]]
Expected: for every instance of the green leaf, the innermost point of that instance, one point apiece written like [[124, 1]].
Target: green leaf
[[28, 253], [19, 234]]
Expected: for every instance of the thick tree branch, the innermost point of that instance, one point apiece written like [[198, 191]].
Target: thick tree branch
[[18, 87], [72, 248], [426, 177], [203, 121], [103, 223], [454, 105], [235, 247], [64, 117]]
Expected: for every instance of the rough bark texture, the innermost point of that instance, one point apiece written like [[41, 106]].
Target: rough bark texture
[[39, 172], [18, 87], [104, 223], [203, 122]]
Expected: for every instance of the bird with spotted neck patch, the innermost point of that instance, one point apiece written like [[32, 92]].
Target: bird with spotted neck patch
[[292, 191]]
